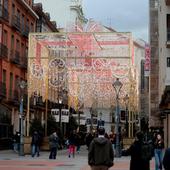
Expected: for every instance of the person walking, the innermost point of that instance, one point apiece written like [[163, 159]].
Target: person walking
[[158, 151], [89, 137], [53, 144], [100, 155], [35, 144], [112, 140], [137, 161], [16, 141], [166, 159], [72, 144]]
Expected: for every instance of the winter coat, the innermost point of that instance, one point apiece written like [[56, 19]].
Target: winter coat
[[100, 152], [35, 139], [159, 144], [136, 162], [53, 141], [166, 159]]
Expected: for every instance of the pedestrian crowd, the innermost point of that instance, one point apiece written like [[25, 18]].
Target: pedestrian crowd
[[101, 148]]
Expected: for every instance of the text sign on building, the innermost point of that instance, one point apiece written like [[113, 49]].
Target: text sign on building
[[56, 114], [82, 119], [147, 60], [64, 115]]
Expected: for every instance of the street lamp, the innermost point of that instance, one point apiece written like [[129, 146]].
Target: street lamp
[[60, 103], [22, 85], [117, 86], [126, 100]]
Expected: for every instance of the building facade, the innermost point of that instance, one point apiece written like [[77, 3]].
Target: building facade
[[17, 19], [73, 14], [156, 71], [164, 66]]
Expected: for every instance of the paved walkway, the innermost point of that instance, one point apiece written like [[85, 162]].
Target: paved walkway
[[9, 160]]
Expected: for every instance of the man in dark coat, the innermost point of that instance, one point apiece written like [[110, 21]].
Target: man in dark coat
[[100, 156], [35, 144], [53, 144], [166, 159], [135, 150]]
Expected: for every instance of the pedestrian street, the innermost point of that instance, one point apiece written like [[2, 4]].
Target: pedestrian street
[[9, 160]]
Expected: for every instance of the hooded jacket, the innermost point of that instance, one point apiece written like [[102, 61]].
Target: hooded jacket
[[100, 152]]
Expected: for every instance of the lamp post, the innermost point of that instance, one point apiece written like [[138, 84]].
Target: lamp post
[[126, 100], [22, 85], [117, 86], [60, 103]]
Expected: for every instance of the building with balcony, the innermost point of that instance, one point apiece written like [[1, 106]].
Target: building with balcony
[[160, 66], [44, 24], [17, 18]]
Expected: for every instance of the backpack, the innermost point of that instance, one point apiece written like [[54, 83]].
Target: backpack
[[146, 151]]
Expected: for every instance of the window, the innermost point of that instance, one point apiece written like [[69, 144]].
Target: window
[[26, 52], [32, 27], [10, 84], [142, 75], [4, 76], [6, 4], [18, 14], [27, 23], [22, 50], [12, 42], [22, 22], [5, 38], [168, 27], [38, 26], [18, 45], [17, 79], [13, 9], [168, 61]]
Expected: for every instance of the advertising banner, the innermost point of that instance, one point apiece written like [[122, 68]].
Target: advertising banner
[[56, 114], [82, 119], [88, 121], [147, 60], [64, 115]]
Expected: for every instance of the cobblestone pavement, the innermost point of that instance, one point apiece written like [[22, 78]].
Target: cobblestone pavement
[[11, 161]]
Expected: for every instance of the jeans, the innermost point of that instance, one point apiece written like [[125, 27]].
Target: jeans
[[53, 153], [158, 159], [35, 149], [16, 147]]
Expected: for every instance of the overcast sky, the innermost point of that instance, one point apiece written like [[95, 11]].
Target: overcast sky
[[122, 15]]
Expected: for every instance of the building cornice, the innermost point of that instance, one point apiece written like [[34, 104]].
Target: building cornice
[[22, 2], [40, 12]]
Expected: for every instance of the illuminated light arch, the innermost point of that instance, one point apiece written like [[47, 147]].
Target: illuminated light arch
[[87, 63]]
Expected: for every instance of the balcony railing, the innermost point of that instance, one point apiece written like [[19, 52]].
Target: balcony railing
[[15, 57], [16, 22], [14, 97], [3, 51], [2, 89], [25, 31], [4, 13], [23, 62]]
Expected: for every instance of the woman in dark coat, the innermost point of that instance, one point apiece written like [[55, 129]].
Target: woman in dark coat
[[135, 150], [166, 159]]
